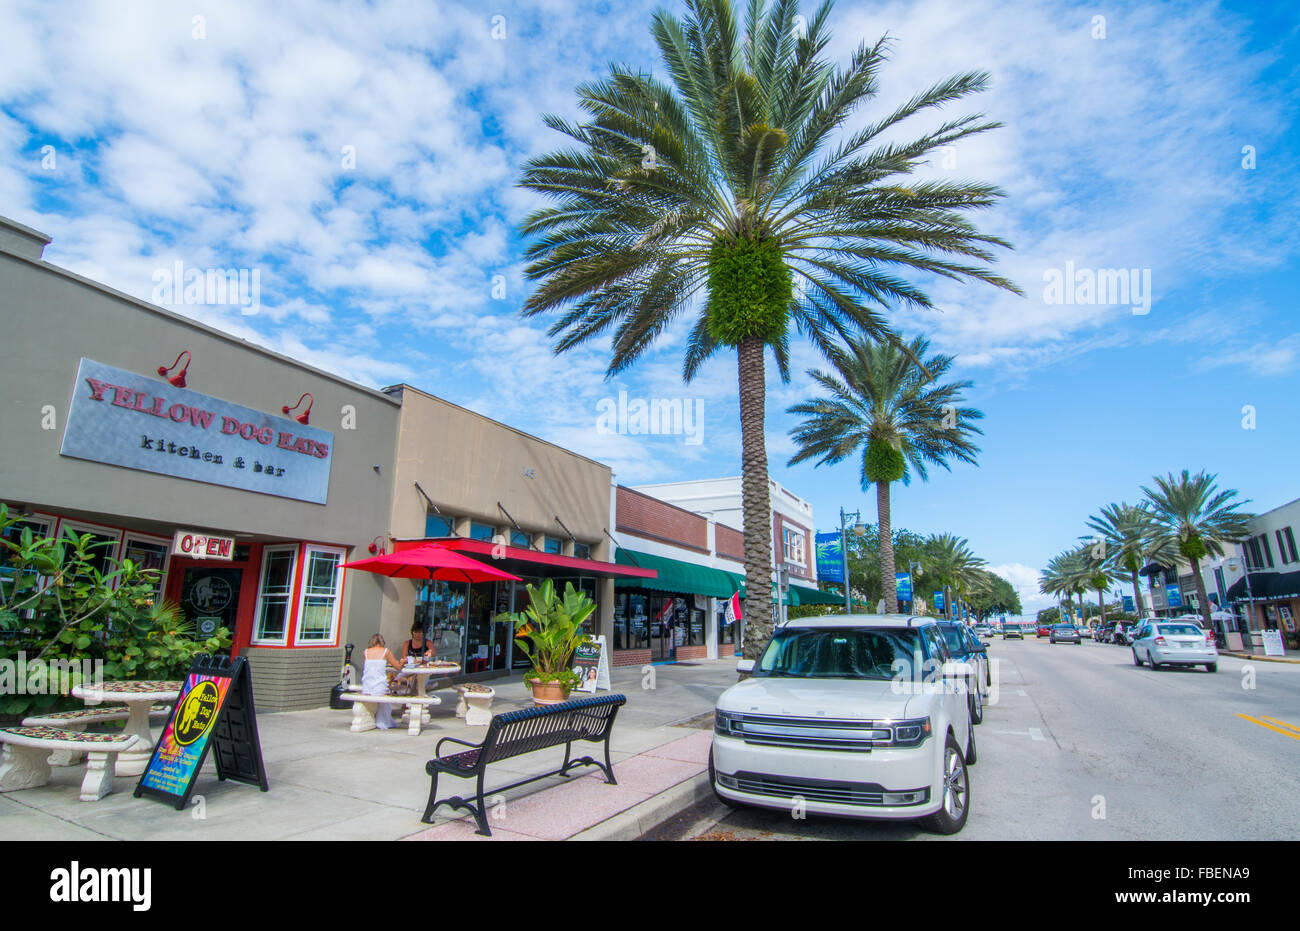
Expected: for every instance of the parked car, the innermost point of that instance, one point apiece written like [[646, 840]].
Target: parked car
[[1012, 631], [1085, 631], [1174, 643], [1044, 630], [1064, 633], [965, 647], [982, 630], [826, 690]]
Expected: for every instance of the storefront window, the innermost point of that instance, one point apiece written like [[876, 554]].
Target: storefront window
[[478, 628], [554, 545], [582, 550], [440, 609], [479, 531], [519, 538], [148, 555], [438, 525], [274, 594], [319, 611]]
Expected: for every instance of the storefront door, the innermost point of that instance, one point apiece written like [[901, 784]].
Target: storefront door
[[210, 597], [663, 615]]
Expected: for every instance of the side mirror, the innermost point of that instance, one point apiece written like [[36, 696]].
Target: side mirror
[[745, 667]]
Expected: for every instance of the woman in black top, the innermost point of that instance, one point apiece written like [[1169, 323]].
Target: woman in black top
[[417, 646]]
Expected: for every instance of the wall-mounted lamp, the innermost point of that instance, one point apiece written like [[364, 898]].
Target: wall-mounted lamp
[[305, 417], [376, 546], [179, 378]]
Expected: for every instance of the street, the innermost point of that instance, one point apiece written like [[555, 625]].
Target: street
[[1080, 744]]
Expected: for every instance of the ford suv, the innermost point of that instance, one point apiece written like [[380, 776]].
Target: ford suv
[[852, 715]]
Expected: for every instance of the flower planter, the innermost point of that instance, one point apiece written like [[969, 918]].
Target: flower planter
[[548, 693]]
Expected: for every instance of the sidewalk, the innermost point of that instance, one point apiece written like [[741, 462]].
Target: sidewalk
[[330, 784], [1260, 656]]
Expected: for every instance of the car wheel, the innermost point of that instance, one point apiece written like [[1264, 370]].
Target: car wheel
[[955, 793], [1152, 660], [976, 706], [1211, 667], [713, 784], [1136, 661]]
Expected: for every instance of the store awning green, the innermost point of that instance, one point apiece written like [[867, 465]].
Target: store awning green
[[798, 595], [675, 575]]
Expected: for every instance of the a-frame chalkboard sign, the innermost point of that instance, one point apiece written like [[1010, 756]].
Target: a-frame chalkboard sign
[[214, 710]]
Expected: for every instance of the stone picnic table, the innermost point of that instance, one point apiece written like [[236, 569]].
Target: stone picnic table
[[139, 696], [422, 675]]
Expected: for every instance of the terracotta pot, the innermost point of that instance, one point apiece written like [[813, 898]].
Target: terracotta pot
[[548, 693]]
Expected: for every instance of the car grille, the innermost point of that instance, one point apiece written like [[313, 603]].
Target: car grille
[[815, 733], [864, 794]]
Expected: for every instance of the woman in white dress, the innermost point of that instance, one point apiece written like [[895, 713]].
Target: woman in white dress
[[374, 677]]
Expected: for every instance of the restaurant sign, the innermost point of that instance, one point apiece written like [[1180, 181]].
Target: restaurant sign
[[124, 419], [201, 546]]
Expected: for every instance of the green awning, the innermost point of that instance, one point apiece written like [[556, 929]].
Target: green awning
[[798, 595], [675, 575]]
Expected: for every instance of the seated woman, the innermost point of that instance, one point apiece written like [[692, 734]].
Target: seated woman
[[374, 678], [417, 646]]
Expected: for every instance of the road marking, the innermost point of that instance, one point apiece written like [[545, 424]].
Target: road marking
[[1247, 717], [1038, 735], [1290, 727]]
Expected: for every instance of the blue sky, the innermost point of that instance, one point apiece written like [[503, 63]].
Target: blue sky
[[222, 142]]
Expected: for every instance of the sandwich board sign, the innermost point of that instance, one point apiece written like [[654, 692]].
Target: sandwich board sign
[[591, 664], [214, 711]]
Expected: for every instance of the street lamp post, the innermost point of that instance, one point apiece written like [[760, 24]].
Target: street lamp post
[[858, 529]]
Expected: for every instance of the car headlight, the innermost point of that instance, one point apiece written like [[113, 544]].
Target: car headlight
[[728, 724], [911, 732]]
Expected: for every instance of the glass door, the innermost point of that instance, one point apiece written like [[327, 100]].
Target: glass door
[[210, 598]]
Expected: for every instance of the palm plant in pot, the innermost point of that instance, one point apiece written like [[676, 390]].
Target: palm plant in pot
[[549, 630]]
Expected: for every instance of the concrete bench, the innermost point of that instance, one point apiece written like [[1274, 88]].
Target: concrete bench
[[77, 721], [26, 765], [363, 709]]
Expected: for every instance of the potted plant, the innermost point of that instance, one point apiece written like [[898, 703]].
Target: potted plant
[[548, 631]]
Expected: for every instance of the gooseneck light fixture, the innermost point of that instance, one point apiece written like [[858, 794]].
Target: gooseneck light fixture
[[305, 417], [179, 378]]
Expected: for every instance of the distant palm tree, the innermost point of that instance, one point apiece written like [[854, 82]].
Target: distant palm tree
[[1127, 531], [952, 565], [1067, 574], [898, 416], [1196, 519], [712, 195]]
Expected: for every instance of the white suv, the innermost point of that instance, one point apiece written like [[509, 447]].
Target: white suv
[[854, 715]]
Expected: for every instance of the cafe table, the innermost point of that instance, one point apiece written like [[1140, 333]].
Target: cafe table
[[421, 675], [139, 695]]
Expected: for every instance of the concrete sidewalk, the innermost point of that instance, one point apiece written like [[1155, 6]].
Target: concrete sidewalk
[[330, 784]]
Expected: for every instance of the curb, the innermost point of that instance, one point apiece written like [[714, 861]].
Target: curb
[[644, 817], [1261, 658]]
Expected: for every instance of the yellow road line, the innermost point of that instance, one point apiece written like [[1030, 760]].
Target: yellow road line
[[1247, 717], [1290, 727]]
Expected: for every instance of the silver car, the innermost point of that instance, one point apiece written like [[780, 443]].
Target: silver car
[[1174, 643]]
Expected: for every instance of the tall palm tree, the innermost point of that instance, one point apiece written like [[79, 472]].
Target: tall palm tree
[[712, 193], [900, 417], [1127, 531], [1197, 519], [1068, 574], [951, 563]]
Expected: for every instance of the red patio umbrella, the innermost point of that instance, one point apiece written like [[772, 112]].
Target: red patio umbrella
[[430, 562]]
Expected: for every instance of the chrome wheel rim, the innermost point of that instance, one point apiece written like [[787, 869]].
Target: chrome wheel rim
[[954, 784]]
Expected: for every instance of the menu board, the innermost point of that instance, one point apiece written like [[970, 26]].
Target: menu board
[[215, 708]]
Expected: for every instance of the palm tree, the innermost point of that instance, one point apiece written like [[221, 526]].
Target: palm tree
[[1126, 530], [1068, 574], [899, 416], [712, 193], [1194, 516], [952, 565]]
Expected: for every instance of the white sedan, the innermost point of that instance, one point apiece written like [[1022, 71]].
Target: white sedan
[[1174, 644]]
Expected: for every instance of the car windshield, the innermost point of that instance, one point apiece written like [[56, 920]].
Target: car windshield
[[1187, 629], [956, 642], [842, 653]]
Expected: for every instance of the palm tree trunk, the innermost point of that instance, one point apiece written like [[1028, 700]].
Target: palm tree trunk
[[1101, 605], [1202, 599], [755, 498], [1137, 596], [886, 549]]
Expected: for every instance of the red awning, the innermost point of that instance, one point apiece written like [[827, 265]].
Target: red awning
[[519, 559]]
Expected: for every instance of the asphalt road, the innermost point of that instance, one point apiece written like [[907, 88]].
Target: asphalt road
[[1080, 744]]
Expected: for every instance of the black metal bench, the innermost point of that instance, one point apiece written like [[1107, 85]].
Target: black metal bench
[[518, 732]]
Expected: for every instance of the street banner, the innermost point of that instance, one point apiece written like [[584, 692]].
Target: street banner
[[903, 585], [1174, 596], [1128, 604], [938, 601], [830, 557], [214, 709]]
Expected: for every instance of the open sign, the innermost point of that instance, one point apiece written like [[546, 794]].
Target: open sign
[[202, 546]]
